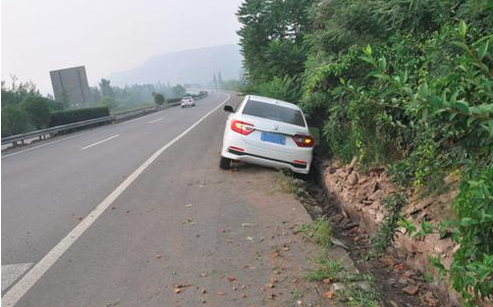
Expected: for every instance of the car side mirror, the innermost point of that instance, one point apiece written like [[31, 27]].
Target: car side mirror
[[229, 108]]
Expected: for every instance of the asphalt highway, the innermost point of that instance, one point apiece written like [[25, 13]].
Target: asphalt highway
[[126, 214]]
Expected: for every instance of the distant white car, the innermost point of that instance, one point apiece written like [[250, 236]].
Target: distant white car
[[267, 132], [187, 101]]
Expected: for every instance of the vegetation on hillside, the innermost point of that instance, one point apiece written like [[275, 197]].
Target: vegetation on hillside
[[405, 83]]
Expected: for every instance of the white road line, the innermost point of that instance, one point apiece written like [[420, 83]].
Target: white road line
[[99, 142], [10, 273], [156, 120], [43, 145], [71, 137], [25, 283]]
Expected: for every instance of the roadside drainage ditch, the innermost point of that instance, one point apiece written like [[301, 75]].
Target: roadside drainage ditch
[[396, 283]]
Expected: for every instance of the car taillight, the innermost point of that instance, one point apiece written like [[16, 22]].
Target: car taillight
[[303, 140], [242, 127]]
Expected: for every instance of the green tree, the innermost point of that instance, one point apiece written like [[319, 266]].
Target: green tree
[[159, 99], [178, 91], [273, 34], [108, 102], [106, 89], [14, 120], [37, 109]]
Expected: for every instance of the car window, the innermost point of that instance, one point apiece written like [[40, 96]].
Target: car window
[[274, 112]]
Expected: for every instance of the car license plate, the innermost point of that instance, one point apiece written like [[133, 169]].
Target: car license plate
[[273, 138]]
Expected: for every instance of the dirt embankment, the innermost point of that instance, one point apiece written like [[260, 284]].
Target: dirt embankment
[[359, 196]]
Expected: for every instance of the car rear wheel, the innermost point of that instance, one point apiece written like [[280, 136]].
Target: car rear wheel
[[225, 163]]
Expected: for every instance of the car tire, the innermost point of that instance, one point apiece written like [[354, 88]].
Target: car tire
[[225, 163]]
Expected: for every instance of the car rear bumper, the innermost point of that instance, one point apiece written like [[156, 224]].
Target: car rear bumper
[[295, 163]]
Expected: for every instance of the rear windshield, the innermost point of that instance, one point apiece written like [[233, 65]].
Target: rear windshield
[[274, 112]]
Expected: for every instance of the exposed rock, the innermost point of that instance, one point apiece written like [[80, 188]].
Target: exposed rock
[[430, 299], [359, 195], [377, 195], [443, 245], [410, 289], [353, 179]]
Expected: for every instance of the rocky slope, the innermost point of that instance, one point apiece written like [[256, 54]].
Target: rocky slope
[[359, 195]]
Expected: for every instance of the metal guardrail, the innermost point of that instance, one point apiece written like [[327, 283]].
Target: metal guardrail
[[53, 130], [41, 134], [134, 113]]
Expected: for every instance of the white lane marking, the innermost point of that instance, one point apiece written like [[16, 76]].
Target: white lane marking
[[156, 120], [74, 136], [43, 145], [25, 283], [99, 142], [10, 273]]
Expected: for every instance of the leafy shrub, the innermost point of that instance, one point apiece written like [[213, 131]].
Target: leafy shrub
[[173, 100], [71, 116], [418, 97], [14, 120], [37, 109], [471, 271], [159, 99], [279, 88]]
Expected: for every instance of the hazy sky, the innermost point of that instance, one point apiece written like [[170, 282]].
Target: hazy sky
[[106, 35]]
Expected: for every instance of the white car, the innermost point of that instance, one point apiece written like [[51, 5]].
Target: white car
[[267, 132], [187, 101]]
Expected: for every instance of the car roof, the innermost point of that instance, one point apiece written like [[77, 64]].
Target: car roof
[[274, 101]]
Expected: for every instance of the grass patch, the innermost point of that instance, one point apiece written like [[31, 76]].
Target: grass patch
[[332, 270], [353, 294], [327, 269], [319, 231], [288, 183], [385, 234], [358, 297]]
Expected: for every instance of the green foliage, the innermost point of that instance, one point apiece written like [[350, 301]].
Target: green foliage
[[406, 83], [471, 271], [16, 92], [24, 109], [173, 100], [327, 269], [359, 297], [280, 88], [272, 37], [318, 231], [71, 116], [37, 109], [107, 89], [385, 235], [351, 294], [178, 91], [159, 99], [108, 102], [14, 120]]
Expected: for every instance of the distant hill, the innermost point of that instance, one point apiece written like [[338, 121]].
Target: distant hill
[[188, 66]]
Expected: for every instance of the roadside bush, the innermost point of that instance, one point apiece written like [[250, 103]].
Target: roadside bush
[[284, 88], [159, 99], [173, 100], [37, 109], [71, 116], [418, 98], [14, 120]]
